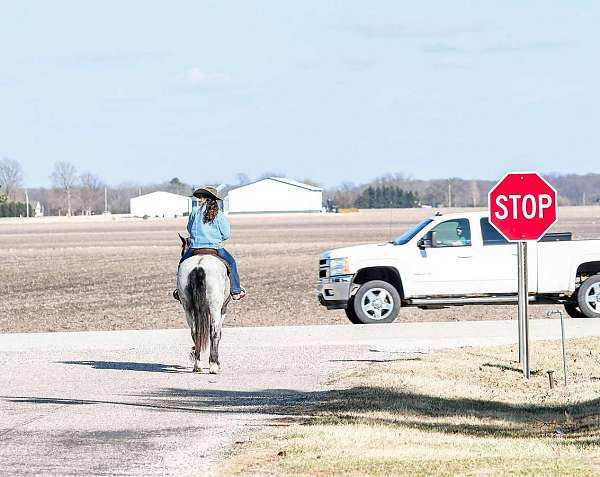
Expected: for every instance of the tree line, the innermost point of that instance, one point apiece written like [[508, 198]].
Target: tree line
[[72, 192], [11, 178], [82, 193], [386, 196], [572, 190]]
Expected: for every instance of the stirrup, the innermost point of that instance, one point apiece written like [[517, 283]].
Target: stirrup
[[176, 294], [240, 295]]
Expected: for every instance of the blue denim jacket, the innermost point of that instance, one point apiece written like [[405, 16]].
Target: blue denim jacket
[[209, 235]]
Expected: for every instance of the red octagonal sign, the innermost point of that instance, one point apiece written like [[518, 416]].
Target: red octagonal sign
[[522, 206]]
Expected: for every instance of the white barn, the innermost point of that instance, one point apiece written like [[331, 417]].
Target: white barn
[[273, 195], [160, 204]]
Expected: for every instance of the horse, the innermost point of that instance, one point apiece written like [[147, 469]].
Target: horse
[[203, 285]]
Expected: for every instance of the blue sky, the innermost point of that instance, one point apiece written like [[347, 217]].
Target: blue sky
[[334, 91]]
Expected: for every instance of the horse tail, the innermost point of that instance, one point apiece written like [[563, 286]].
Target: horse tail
[[196, 289]]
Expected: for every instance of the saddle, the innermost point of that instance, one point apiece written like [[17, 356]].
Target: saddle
[[212, 252]]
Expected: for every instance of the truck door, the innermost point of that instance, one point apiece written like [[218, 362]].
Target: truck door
[[496, 259], [448, 266]]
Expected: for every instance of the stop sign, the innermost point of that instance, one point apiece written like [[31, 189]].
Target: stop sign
[[522, 206]]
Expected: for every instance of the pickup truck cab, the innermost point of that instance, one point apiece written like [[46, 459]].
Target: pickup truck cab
[[457, 259]]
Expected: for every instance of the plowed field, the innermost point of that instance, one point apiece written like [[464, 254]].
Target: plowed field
[[118, 273]]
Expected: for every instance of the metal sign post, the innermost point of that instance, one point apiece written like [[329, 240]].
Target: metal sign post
[[522, 313], [523, 208], [562, 339]]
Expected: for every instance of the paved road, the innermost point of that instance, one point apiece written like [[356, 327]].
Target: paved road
[[125, 403]]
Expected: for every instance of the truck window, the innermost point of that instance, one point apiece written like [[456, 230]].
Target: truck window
[[490, 235], [410, 233], [452, 233]]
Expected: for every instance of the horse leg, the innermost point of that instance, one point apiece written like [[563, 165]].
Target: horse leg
[[194, 357], [215, 337]]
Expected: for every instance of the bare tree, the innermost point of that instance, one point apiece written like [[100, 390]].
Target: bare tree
[[309, 181], [11, 177], [242, 179], [435, 194], [175, 186], [90, 192], [64, 177], [119, 197], [266, 175], [345, 195]]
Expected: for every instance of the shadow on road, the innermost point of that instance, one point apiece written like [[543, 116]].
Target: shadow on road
[[374, 405], [383, 360], [131, 366], [268, 401]]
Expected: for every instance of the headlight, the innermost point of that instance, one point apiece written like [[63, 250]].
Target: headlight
[[339, 266]]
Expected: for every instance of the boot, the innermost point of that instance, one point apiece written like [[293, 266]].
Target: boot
[[240, 295]]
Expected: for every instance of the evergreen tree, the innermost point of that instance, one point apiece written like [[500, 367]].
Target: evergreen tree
[[384, 196], [378, 198], [370, 197], [14, 209]]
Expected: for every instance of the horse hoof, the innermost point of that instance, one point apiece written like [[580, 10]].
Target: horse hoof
[[214, 368]]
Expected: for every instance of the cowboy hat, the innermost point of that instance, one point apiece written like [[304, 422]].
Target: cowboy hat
[[207, 191]]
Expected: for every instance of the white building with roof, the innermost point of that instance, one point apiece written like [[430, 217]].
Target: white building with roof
[[274, 195], [160, 204]]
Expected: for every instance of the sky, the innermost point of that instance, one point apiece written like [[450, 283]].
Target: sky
[[334, 91]]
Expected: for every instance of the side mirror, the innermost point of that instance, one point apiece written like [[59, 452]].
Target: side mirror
[[425, 242], [433, 239]]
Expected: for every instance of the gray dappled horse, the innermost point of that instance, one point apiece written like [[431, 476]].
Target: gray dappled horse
[[203, 286]]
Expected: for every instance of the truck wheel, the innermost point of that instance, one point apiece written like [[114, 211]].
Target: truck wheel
[[376, 302], [573, 310], [351, 314], [588, 297]]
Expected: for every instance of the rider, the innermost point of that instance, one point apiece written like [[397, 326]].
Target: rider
[[209, 228], [461, 238]]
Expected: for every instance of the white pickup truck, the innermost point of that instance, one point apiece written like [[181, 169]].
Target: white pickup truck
[[457, 259]]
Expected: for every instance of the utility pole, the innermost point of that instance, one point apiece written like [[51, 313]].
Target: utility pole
[[449, 193], [27, 202], [105, 201]]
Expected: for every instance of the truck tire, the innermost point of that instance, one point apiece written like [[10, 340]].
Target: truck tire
[[588, 297], [376, 302], [573, 310], [351, 314]]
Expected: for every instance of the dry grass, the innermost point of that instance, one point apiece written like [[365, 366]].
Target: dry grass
[[118, 274], [463, 412]]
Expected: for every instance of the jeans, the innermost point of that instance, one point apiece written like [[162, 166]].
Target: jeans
[[234, 276], [233, 271]]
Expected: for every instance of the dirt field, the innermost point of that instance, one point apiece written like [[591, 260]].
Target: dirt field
[[118, 273]]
